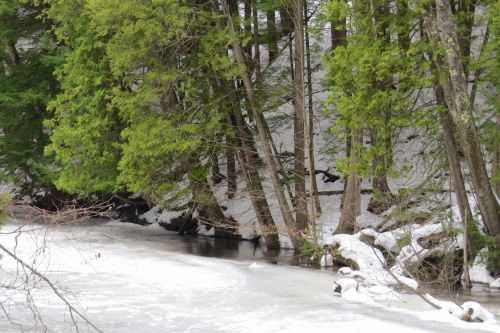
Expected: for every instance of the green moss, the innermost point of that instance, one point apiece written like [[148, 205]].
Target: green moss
[[309, 250]]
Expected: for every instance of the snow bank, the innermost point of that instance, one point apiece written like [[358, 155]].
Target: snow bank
[[479, 272], [157, 215], [371, 284], [495, 284], [371, 262], [352, 290]]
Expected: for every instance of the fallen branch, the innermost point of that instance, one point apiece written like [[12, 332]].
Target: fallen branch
[[69, 213], [405, 285], [72, 309], [339, 192]]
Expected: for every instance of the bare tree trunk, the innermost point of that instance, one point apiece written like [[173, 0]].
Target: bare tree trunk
[[281, 166], [351, 200], [205, 202], [338, 33], [443, 29], [233, 6], [348, 151], [471, 247], [295, 235], [351, 207], [382, 198], [245, 152], [313, 183], [252, 178], [290, 57], [302, 216], [338, 38]]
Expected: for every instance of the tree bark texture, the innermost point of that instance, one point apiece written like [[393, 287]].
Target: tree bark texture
[[295, 235], [313, 183], [471, 247], [379, 137], [302, 216], [205, 202], [351, 204], [245, 154], [441, 28], [338, 33], [461, 108]]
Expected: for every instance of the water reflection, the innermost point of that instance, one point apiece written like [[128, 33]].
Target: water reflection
[[240, 250], [246, 250]]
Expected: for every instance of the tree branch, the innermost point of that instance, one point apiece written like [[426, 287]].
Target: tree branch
[[71, 308]]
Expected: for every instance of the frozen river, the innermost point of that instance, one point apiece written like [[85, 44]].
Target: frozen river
[[128, 278]]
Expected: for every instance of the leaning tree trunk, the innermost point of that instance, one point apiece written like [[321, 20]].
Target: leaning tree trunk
[[294, 233], [471, 244], [209, 211], [245, 153], [442, 28]]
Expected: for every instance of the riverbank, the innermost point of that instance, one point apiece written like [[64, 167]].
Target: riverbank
[[131, 278]]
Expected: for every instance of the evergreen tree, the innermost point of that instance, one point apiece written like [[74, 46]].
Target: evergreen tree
[[85, 126], [28, 56], [370, 91]]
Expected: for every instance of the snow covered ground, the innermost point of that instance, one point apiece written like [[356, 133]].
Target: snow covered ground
[[128, 278]]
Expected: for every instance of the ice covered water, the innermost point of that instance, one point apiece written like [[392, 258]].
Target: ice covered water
[[128, 278]]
